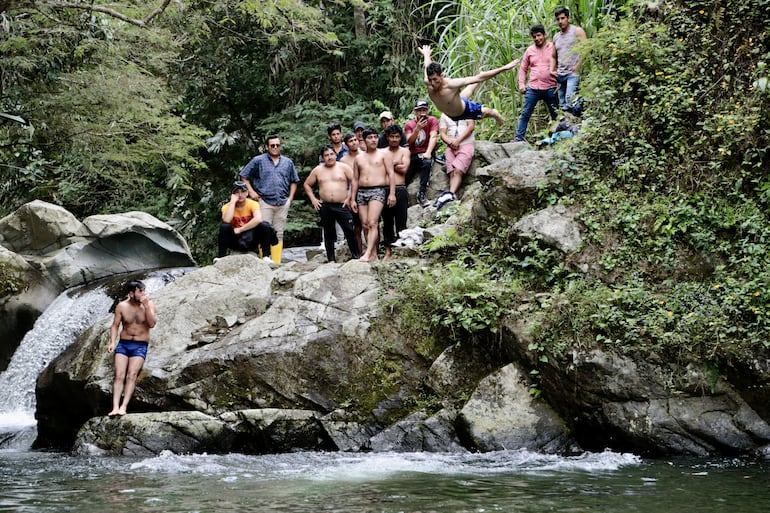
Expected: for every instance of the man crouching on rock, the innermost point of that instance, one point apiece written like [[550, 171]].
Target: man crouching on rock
[[137, 316]]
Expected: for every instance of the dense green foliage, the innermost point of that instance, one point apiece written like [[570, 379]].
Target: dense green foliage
[[669, 171], [131, 112], [102, 134]]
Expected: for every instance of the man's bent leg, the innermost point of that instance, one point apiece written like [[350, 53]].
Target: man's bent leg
[[227, 239], [427, 165], [263, 233]]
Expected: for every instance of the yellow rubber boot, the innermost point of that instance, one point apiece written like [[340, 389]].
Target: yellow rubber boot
[[276, 252]]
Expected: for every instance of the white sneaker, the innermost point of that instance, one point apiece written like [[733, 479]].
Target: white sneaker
[[217, 260], [268, 260]]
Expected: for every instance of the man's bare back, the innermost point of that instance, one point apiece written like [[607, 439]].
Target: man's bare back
[[450, 95]]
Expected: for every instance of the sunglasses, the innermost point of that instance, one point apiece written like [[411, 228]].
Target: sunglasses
[[274, 145]]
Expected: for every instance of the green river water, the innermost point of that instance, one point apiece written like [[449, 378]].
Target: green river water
[[507, 481]]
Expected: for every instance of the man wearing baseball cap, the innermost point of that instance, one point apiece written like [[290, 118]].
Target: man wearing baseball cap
[[386, 119], [421, 135], [242, 228]]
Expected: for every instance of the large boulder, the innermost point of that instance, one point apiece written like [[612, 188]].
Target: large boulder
[[643, 404], [555, 226], [148, 434], [298, 337], [69, 253], [502, 414], [53, 251]]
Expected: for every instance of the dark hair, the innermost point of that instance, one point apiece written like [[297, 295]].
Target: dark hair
[[434, 68], [536, 29], [367, 132], [348, 136], [267, 139], [327, 147], [394, 129], [132, 285], [331, 128], [561, 10]]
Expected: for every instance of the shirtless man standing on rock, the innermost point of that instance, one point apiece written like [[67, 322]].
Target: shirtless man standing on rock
[[137, 316], [373, 182], [446, 94], [394, 218], [333, 179]]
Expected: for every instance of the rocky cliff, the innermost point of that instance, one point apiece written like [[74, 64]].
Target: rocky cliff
[[251, 358]]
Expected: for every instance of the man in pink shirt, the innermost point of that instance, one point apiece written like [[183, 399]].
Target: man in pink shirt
[[542, 84]]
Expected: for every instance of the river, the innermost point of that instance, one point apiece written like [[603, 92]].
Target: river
[[506, 481]]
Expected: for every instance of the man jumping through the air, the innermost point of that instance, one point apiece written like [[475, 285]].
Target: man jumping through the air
[[447, 96]]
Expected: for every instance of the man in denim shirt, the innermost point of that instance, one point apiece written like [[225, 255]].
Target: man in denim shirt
[[272, 180]]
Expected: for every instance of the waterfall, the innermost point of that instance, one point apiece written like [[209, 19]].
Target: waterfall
[[73, 312]]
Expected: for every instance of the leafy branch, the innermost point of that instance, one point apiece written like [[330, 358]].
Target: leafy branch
[[8, 6]]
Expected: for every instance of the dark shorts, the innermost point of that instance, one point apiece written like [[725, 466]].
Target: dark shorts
[[472, 110], [132, 348], [367, 194]]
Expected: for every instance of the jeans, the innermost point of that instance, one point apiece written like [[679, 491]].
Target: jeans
[[531, 97], [568, 86], [422, 166]]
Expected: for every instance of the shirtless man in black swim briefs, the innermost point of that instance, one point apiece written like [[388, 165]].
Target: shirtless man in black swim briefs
[[136, 315]]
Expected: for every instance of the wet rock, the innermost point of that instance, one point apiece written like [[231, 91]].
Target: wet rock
[[501, 414]]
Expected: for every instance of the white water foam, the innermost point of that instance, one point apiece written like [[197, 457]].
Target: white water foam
[[367, 466], [67, 317]]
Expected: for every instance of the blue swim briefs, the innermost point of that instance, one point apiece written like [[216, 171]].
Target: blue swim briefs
[[472, 110], [132, 348]]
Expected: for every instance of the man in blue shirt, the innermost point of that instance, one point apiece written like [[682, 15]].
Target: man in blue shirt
[[272, 180]]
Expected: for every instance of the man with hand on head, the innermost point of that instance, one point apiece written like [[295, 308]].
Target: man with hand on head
[[242, 228]]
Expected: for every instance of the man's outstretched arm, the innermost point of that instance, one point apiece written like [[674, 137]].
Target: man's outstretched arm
[[426, 51], [457, 83]]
